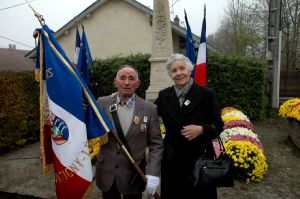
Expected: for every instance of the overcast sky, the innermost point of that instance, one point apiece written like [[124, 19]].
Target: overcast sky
[[17, 22]]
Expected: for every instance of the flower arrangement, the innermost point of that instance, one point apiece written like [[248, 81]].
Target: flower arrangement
[[249, 160], [227, 133], [239, 123], [230, 118], [290, 109], [295, 113], [254, 141], [243, 146], [236, 113], [226, 110]]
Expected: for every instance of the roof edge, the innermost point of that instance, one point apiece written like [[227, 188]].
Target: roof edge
[[86, 12]]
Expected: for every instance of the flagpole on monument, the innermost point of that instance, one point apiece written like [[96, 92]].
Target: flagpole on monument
[[124, 149]]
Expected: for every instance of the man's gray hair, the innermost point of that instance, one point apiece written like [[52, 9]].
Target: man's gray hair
[[129, 66], [176, 57]]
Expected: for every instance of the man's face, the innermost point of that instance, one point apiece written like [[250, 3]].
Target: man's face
[[126, 82]]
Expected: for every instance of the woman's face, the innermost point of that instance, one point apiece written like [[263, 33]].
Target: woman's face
[[180, 73]]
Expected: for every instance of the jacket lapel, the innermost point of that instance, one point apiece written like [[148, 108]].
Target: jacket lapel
[[138, 113], [172, 106], [108, 113], [192, 100]]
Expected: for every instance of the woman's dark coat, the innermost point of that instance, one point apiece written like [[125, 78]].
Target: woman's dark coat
[[199, 108]]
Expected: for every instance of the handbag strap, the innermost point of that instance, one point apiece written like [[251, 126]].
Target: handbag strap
[[113, 109], [222, 148]]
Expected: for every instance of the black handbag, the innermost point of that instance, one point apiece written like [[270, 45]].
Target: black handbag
[[214, 172]]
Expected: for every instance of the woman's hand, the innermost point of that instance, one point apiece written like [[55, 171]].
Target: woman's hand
[[190, 132]]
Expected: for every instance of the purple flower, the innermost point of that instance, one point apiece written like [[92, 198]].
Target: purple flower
[[239, 123], [247, 138]]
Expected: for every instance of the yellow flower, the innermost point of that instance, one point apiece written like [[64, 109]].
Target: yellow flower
[[227, 110], [249, 159], [230, 118], [287, 107], [295, 112], [247, 180]]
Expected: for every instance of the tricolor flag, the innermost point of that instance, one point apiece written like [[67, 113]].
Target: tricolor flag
[[77, 48], [64, 132], [84, 58], [189, 42], [200, 70]]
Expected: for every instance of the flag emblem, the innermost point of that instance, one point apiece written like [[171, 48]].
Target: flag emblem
[[59, 129]]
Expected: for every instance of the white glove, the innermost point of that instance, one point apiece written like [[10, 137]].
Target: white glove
[[152, 184]]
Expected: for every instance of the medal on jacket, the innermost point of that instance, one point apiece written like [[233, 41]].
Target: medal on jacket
[[145, 119], [136, 119], [143, 128], [143, 125], [187, 102]]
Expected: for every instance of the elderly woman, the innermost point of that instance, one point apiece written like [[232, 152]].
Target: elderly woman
[[191, 116]]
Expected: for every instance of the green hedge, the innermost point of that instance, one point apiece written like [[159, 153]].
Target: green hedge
[[103, 72], [19, 113], [238, 82]]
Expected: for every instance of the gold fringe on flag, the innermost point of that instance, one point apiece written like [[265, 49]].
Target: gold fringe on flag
[[96, 143], [37, 75], [46, 167]]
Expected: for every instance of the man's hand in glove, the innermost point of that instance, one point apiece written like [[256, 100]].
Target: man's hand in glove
[[152, 184]]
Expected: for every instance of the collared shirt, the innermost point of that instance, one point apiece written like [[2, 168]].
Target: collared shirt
[[129, 102], [125, 113]]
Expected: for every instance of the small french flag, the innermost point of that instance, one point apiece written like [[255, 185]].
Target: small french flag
[[200, 70]]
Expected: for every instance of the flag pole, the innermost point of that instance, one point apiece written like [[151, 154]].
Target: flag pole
[[129, 157], [39, 78], [36, 14], [204, 10]]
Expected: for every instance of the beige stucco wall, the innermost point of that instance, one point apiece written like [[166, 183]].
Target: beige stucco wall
[[115, 28]]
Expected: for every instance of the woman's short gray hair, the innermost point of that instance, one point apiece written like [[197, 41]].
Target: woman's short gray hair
[[176, 57]]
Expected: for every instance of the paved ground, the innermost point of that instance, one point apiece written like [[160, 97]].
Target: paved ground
[[21, 175]]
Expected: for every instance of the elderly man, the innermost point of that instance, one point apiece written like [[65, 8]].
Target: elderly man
[[135, 120]]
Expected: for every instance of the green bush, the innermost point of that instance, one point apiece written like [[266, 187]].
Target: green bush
[[238, 82], [103, 72], [19, 114]]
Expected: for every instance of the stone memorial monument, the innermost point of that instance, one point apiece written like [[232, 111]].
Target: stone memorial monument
[[162, 48]]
